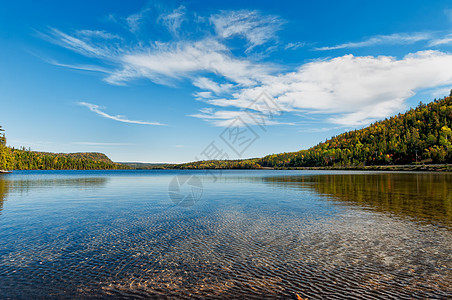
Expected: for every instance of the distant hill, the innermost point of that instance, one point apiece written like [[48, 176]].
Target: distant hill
[[96, 156], [139, 165], [29, 160], [21, 159], [421, 135], [89, 155]]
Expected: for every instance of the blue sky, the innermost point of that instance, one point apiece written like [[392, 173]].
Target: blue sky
[[162, 81]]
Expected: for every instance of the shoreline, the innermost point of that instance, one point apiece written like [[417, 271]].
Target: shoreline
[[419, 168], [416, 168]]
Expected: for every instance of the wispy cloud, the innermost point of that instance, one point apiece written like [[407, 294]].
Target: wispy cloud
[[448, 13], [203, 95], [224, 118], [77, 45], [441, 40], [165, 62], [97, 109], [294, 46], [101, 144], [89, 43], [250, 25], [134, 21], [28, 143], [174, 19], [440, 92], [210, 85], [91, 68], [178, 59], [392, 39], [102, 34]]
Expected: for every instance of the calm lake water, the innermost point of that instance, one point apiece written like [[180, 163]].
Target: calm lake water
[[230, 234]]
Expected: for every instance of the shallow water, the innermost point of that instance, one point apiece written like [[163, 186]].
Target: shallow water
[[255, 234]]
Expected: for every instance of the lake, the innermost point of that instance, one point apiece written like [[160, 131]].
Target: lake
[[225, 234]]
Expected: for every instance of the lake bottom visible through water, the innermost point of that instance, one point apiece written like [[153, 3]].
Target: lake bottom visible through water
[[247, 234]]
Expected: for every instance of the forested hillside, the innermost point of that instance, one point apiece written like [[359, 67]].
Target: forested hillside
[[82, 155], [254, 163], [421, 135], [22, 159]]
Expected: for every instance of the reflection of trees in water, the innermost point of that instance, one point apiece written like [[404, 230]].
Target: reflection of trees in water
[[3, 192], [421, 195], [25, 185], [82, 182]]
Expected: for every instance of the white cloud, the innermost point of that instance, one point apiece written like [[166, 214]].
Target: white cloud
[[168, 61], [251, 25], [351, 90], [97, 109], [392, 39]]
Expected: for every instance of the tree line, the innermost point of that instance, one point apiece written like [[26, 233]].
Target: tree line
[[23, 159]]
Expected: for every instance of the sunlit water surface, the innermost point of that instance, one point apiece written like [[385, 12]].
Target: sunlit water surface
[[229, 234]]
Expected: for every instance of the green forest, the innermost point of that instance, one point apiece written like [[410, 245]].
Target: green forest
[[420, 136], [22, 159]]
